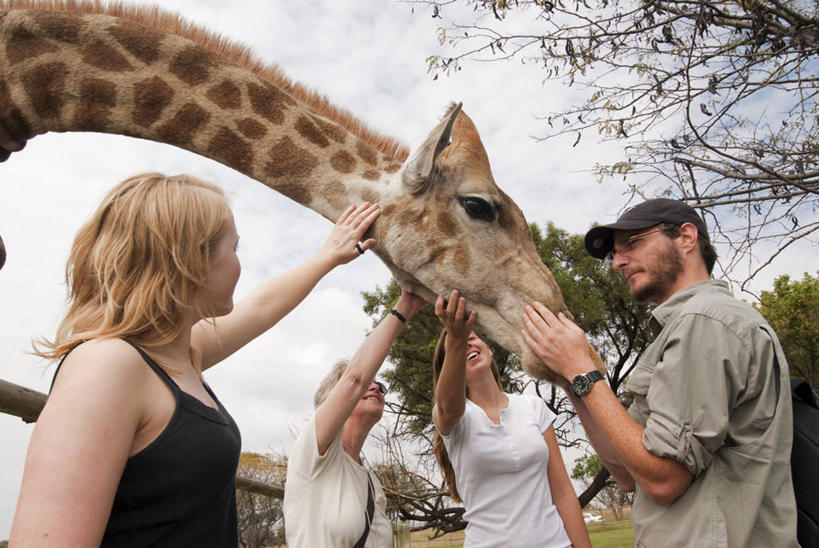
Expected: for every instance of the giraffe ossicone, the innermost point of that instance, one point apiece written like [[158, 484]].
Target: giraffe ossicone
[[69, 66]]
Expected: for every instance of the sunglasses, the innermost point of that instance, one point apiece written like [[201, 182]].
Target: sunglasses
[[629, 244], [382, 387]]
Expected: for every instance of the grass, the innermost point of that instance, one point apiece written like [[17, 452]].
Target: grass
[[617, 534]]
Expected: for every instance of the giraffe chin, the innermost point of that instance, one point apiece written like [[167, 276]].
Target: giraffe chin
[[536, 368]]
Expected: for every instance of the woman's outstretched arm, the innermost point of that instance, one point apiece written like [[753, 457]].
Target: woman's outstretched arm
[[260, 310], [450, 390], [360, 372]]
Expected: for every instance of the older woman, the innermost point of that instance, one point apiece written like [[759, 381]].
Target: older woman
[[330, 499]]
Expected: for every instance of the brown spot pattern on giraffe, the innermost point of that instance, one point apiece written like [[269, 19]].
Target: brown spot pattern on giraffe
[[192, 65], [180, 129], [331, 130], [445, 224], [392, 168], [406, 216], [97, 98], [140, 41], [367, 153], [336, 194], [269, 102], [60, 26], [251, 129], [343, 162], [369, 195], [371, 175], [230, 149], [295, 191], [309, 131], [437, 251], [24, 45], [14, 124], [461, 258], [45, 85], [291, 161], [227, 95], [101, 55], [151, 97]]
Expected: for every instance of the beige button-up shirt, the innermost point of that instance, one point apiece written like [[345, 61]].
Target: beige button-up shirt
[[712, 392]]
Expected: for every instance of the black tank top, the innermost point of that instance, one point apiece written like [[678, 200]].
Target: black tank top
[[179, 491]]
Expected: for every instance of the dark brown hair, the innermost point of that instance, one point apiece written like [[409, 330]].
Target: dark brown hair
[[438, 448], [707, 251]]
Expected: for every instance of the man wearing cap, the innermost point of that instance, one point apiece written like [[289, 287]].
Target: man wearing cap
[[706, 441]]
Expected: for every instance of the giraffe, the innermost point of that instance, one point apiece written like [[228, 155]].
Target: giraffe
[[70, 66]]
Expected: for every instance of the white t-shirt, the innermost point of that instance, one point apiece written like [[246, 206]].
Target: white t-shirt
[[325, 497], [501, 475]]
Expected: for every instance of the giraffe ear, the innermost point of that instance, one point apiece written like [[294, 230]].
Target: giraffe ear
[[418, 169]]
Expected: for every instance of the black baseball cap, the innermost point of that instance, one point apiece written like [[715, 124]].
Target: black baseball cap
[[600, 239]]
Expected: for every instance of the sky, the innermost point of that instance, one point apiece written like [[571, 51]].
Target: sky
[[368, 57]]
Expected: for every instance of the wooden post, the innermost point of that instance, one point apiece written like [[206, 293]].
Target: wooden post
[[27, 403], [21, 401]]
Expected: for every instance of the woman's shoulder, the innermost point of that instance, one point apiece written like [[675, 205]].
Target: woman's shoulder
[[106, 359], [528, 402]]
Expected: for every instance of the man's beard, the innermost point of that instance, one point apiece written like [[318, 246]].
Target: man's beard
[[662, 271]]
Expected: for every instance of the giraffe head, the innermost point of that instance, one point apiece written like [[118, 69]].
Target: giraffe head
[[451, 227]]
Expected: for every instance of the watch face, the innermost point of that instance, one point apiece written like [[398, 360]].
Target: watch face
[[581, 385]]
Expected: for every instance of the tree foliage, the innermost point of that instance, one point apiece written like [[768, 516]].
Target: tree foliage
[[598, 298], [260, 518], [792, 309], [713, 100], [589, 467]]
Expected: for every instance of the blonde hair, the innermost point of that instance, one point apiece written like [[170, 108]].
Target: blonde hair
[[438, 447], [329, 381], [137, 266]]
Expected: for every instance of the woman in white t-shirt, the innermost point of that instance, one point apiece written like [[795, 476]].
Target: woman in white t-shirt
[[498, 451], [326, 493]]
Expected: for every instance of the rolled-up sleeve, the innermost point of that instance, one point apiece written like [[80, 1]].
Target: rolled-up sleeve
[[693, 386]]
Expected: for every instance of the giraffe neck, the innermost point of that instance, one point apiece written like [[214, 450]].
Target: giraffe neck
[[64, 71]]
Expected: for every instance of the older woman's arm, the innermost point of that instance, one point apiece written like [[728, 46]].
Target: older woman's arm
[[359, 374]]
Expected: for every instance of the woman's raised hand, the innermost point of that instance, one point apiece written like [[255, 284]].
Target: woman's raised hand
[[454, 316], [344, 242], [409, 303]]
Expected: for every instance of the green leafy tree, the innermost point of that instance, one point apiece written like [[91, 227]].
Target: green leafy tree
[[599, 300], [792, 309], [587, 469], [713, 101]]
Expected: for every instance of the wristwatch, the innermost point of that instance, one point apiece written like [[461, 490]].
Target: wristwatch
[[581, 384]]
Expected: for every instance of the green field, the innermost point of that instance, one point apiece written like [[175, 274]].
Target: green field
[[612, 535], [617, 534]]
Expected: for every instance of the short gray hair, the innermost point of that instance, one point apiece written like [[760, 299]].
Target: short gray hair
[[329, 381]]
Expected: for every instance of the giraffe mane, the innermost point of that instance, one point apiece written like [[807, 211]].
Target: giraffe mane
[[230, 50]]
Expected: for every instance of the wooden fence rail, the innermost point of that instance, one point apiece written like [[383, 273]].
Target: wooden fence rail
[[27, 403]]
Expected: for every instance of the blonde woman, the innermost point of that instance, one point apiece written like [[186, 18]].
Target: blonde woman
[[498, 452], [132, 447]]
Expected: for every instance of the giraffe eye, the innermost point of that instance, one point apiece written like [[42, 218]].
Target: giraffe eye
[[478, 208]]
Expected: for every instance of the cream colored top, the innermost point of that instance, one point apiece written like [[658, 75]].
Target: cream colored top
[[325, 497]]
